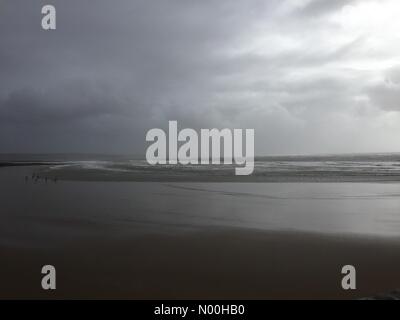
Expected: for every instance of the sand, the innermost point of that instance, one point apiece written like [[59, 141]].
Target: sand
[[217, 264]]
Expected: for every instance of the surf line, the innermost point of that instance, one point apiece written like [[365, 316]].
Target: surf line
[[184, 145]]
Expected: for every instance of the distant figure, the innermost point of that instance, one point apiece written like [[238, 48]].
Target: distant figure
[[55, 179], [45, 179]]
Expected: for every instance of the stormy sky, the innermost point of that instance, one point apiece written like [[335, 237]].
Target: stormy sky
[[310, 76]]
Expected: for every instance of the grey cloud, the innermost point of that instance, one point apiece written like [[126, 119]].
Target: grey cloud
[[113, 70], [318, 8], [386, 94], [64, 102]]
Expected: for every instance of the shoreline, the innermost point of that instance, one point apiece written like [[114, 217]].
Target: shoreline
[[109, 171], [104, 175]]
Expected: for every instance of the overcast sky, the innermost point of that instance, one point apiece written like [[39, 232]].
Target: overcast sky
[[310, 76]]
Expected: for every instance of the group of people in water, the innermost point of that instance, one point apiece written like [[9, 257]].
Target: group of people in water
[[35, 178]]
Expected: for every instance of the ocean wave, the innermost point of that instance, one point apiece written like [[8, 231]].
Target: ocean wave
[[336, 168]]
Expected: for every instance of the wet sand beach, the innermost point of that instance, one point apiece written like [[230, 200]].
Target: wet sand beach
[[157, 240]]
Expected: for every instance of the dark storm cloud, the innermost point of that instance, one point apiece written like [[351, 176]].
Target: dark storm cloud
[[59, 106], [114, 69], [123, 60], [75, 115]]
